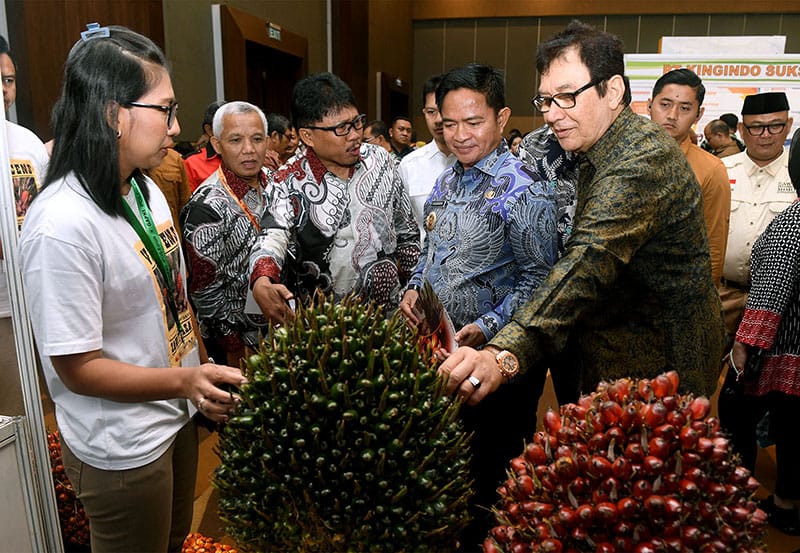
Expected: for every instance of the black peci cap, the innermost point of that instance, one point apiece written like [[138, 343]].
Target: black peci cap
[[766, 102]]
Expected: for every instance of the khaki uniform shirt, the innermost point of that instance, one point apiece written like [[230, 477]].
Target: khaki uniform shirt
[[758, 194]]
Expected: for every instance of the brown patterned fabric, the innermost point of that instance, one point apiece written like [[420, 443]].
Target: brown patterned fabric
[[633, 292]]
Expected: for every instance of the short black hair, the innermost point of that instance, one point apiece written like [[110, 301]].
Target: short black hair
[[602, 53], [682, 76], [397, 118], [378, 128], [731, 119], [277, 123], [211, 110], [481, 78], [4, 48], [430, 86], [101, 75], [318, 95]]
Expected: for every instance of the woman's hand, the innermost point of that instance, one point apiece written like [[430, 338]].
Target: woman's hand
[[206, 386], [211, 390]]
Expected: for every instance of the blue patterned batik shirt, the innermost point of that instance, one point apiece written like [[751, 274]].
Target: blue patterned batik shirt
[[491, 239], [541, 151]]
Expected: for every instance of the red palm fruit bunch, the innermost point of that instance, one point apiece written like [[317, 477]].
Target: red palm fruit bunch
[[73, 519], [633, 467], [198, 543]]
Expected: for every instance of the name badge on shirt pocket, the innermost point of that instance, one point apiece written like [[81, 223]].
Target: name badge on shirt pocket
[[430, 221]]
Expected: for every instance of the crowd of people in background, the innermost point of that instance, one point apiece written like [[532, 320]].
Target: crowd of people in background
[[602, 244]]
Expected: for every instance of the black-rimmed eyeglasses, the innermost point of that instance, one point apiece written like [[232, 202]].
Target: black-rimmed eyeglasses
[[772, 128], [343, 129], [171, 110], [564, 100]]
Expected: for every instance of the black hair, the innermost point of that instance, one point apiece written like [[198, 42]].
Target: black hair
[[277, 123], [719, 126], [400, 118], [513, 133], [319, 95], [681, 76], [184, 147], [211, 110], [730, 119], [430, 86], [602, 53], [378, 128], [481, 78], [5, 49], [100, 75]]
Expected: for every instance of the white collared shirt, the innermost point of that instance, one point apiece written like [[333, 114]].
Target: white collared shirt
[[418, 171]]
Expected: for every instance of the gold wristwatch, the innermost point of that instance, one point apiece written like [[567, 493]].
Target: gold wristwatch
[[507, 362]]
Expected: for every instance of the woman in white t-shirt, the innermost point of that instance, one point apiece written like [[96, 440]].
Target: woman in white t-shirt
[[105, 282]]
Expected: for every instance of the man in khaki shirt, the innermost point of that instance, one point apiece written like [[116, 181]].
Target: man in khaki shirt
[[760, 189], [676, 105]]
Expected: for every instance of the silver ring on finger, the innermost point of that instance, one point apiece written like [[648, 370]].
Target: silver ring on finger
[[200, 404], [475, 382]]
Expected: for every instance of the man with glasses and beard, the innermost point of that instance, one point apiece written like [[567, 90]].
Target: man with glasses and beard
[[353, 230]]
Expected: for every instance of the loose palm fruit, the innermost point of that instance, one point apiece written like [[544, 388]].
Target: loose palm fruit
[[73, 519]]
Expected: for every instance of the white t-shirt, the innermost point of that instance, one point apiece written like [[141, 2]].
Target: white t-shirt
[[419, 171], [91, 285], [28, 165]]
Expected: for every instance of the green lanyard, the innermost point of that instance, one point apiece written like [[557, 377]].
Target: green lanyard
[[148, 234]]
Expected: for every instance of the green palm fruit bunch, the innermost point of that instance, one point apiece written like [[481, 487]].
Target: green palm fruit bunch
[[344, 440]]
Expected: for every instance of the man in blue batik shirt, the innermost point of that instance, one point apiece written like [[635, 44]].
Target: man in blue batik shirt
[[491, 220], [491, 239]]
